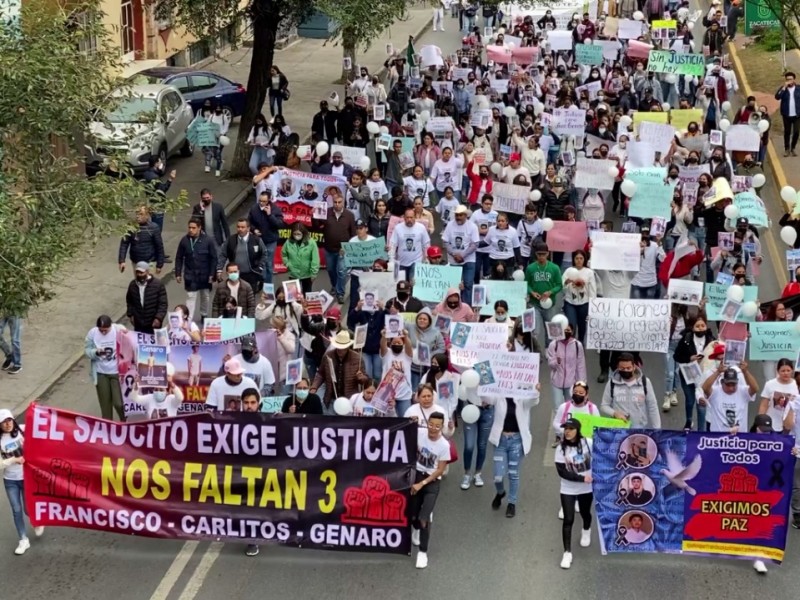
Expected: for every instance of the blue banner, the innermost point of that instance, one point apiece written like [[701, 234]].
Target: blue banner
[[697, 493]]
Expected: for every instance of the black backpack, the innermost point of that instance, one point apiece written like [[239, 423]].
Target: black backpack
[[613, 385]]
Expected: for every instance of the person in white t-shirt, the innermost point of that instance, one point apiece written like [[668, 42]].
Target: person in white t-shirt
[[433, 454], [484, 219], [409, 243], [503, 243], [779, 391], [447, 172], [417, 184], [194, 364], [257, 367], [727, 402], [228, 387], [574, 466], [161, 403], [362, 403]]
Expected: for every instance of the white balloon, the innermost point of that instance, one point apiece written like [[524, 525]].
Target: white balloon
[[384, 129], [571, 273], [425, 116], [731, 211], [726, 106], [789, 235], [546, 304], [342, 407], [364, 162], [690, 25], [470, 378], [535, 195], [666, 107], [613, 172], [322, 148], [509, 111], [638, 15], [671, 78], [302, 151], [170, 369], [561, 320], [538, 108], [724, 124], [496, 168], [462, 391], [763, 125], [547, 224], [788, 194], [373, 127], [735, 293], [759, 180], [224, 140], [588, 41], [518, 275], [470, 414], [511, 45], [625, 121], [749, 309], [628, 188]]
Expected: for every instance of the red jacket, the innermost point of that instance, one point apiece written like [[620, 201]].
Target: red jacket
[[683, 268], [476, 183]]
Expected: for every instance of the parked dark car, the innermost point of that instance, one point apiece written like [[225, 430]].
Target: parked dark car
[[197, 86]]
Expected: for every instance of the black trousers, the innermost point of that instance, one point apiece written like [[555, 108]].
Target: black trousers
[[255, 281], [791, 131], [422, 504], [568, 506]]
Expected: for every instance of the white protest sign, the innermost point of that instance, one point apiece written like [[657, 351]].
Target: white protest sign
[[569, 121], [515, 374], [461, 73], [629, 29], [640, 155], [470, 339], [442, 87], [559, 39], [685, 291], [742, 138], [611, 48], [431, 56], [384, 284], [510, 198], [616, 251], [439, 125], [594, 173], [628, 325], [691, 173], [431, 282], [499, 85], [350, 156], [481, 119], [590, 88], [658, 135]]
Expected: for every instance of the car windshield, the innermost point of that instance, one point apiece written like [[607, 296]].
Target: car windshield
[[134, 110], [145, 79]]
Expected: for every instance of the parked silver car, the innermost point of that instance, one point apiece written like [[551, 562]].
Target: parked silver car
[[150, 120]]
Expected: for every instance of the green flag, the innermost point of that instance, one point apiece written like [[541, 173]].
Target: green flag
[[411, 53]]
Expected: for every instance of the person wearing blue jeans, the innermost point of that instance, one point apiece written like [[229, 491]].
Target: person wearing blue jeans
[[336, 272], [269, 261], [13, 360], [468, 279], [645, 293], [671, 377], [511, 437], [476, 434]]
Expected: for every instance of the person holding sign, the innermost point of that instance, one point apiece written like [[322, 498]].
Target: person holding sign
[[629, 396], [409, 243], [574, 466], [567, 364], [301, 401], [460, 239], [692, 348], [580, 286], [397, 354], [728, 400]]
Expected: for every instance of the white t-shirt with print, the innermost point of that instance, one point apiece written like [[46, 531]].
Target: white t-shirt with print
[[458, 238], [409, 242], [728, 410], [484, 221], [577, 459], [11, 447], [220, 391], [377, 189], [106, 362], [773, 390], [430, 452], [446, 208], [502, 242], [418, 187]]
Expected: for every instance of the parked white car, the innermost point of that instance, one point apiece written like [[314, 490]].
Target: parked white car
[[150, 120]]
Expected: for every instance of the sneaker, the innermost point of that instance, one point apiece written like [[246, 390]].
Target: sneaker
[[511, 510], [38, 531], [498, 500], [760, 567], [252, 550], [796, 521], [216, 173], [602, 378], [667, 404], [340, 299], [561, 513], [15, 369], [478, 480], [422, 560], [566, 560], [7, 363], [586, 537], [22, 547], [415, 536], [465, 481], [674, 399], [207, 169]]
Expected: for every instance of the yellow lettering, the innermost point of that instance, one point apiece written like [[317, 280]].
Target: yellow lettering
[[160, 487], [112, 476], [190, 471], [296, 490], [210, 487], [137, 466], [227, 488], [327, 504], [251, 474], [272, 490]]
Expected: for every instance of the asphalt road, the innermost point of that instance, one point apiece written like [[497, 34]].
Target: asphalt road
[[475, 552]]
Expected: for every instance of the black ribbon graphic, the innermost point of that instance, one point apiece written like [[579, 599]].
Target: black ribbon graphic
[[777, 474], [621, 463], [621, 541], [622, 495]]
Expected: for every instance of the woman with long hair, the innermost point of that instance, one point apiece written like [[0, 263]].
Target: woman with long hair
[[278, 90], [580, 287], [100, 347], [574, 466], [778, 391], [301, 256], [691, 348], [258, 139]]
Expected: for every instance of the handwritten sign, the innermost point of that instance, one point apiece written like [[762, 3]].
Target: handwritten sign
[[364, 254], [350, 155], [653, 196], [653, 117], [626, 325], [629, 29], [742, 138], [510, 198], [717, 294], [594, 173], [658, 135], [569, 121], [470, 339], [515, 374], [513, 292], [663, 61], [204, 134], [439, 125], [567, 236], [588, 54], [774, 340], [431, 282], [680, 118], [616, 251], [752, 208]]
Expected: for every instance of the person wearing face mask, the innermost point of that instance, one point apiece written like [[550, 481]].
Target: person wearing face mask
[[579, 403], [146, 301], [100, 347], [341, 371], [692, 348], [567, 363], [462, 100], [292, 312], [748, 168], [451, 306], [301, 256], [286, 350], [237, 288], [629, 395], [501, 315], [403, 301], [223, 122], [397, 355], [231, 384], [644, 284], [789, 96], [317, 331], [375, 322], [423, 331], [323, 124], [161, 402], [144, 242], [257, 367], [301, 401]]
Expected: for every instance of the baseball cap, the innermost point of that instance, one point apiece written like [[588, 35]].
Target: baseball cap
[[434, 252], [249, 344], [730, 376], [717, 351], [515, 156], [334, 312], [360, 223], [558, 181], [762, 424], [742, 221], [571, 424], [233, 367], [5, 414], [142, 266], [403, 286]]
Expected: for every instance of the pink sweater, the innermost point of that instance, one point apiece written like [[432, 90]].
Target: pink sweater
[[567, 362]]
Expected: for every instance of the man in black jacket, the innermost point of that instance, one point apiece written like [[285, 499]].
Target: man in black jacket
[[196, 267], [247, 251], [323, 125], [266, 221], [157, 188], [147, 300], [144, 243], [212, 217]]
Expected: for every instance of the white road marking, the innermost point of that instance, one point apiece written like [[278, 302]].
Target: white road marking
[[174, 572], [201, 571]]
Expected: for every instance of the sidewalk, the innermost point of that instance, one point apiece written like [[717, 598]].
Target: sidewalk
[[52, 339]]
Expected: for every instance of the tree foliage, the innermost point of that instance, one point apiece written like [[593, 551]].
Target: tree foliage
[[787, 12], [49, 210]]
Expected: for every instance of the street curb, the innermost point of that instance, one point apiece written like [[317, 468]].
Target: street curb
[[117, 316], [774, 164]]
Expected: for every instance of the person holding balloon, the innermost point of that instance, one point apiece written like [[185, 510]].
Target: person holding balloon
[[544, 283]]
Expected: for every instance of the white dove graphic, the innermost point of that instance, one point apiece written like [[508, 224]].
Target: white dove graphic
[[678, 475]]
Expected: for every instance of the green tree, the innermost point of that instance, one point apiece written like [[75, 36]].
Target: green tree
[[50, 212], [786, 12]]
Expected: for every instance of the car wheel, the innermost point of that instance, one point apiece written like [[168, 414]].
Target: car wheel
[[187, 149], [163, 155], [228, 112]]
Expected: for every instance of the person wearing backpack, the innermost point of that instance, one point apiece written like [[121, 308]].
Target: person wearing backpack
[[567, 363], [629, 396]]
